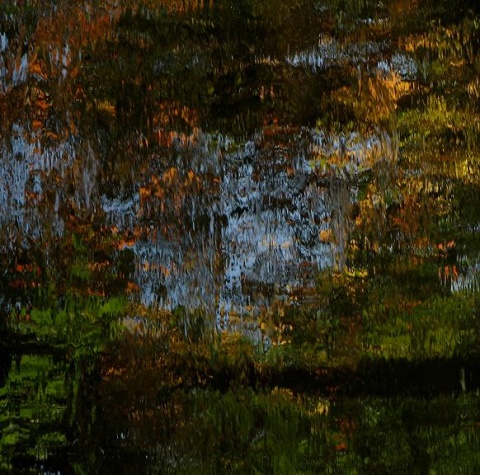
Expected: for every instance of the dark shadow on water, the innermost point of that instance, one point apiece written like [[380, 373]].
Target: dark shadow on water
[[380, 377], [5, 357]]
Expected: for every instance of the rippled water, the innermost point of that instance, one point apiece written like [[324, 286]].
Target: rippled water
[[257, 219], [239, 237]]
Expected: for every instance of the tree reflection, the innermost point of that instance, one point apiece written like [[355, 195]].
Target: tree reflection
[[238, 236]]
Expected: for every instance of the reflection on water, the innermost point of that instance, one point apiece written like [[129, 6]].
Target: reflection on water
[[239, 237], [244, 215]]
